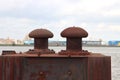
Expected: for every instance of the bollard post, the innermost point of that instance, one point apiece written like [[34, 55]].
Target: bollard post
[[74, 37], [41, 41]]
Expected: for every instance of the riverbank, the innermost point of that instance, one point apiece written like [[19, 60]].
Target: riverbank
[[62, 45]]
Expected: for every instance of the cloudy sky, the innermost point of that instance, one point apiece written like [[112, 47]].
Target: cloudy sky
[[101, 18]]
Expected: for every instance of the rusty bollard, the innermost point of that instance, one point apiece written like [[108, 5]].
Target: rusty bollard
[[74, 37], [41, 40]]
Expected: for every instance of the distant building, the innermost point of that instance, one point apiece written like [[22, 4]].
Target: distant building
[[114, 43], [57, 43], [96, 43], [27, 38], [7, 41], [19, 42], [51, 43], [28, 42], [63, 43]]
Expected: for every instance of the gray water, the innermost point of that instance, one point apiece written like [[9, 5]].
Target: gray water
[[114, 52]]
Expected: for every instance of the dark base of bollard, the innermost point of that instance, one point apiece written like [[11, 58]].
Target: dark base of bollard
[[55, 67]]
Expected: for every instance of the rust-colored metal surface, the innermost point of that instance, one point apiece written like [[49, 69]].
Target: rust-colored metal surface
[[74, 37], [99, 68], [40, 41], [10, 68], [55, 68], [42, 63], [74, 32], [41, 33], [40, 38]]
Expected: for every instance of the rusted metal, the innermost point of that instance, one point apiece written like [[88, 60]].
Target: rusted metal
[[55, 68], [10, 68], [74, 37], [8, 52], [40, 41], [41, 38], [40, 64]]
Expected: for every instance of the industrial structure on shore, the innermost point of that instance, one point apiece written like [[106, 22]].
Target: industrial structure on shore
[[28, 41], [63, 43]]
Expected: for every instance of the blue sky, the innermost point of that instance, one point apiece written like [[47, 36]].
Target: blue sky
[[101, 18]]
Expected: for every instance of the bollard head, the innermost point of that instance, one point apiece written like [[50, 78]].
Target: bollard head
[[74, 32], [41, 33]]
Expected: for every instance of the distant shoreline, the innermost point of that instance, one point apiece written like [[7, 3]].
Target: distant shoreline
[[64, 46]]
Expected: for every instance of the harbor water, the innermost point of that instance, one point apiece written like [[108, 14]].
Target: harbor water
[[114, 52]]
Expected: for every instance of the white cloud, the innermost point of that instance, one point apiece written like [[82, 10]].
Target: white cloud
[[22, 16], [7, 5], [114, 28], [108, 27], [115, 12], [104, 31], [86, 7]]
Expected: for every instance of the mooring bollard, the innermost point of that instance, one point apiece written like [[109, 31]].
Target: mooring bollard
[[74, 63], [74, 37], [40, 41], [41, 38]]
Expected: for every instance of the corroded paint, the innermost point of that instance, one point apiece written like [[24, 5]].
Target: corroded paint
[[74, 37], [40, 38], [10, 68], [99, 68], [55, 68]]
